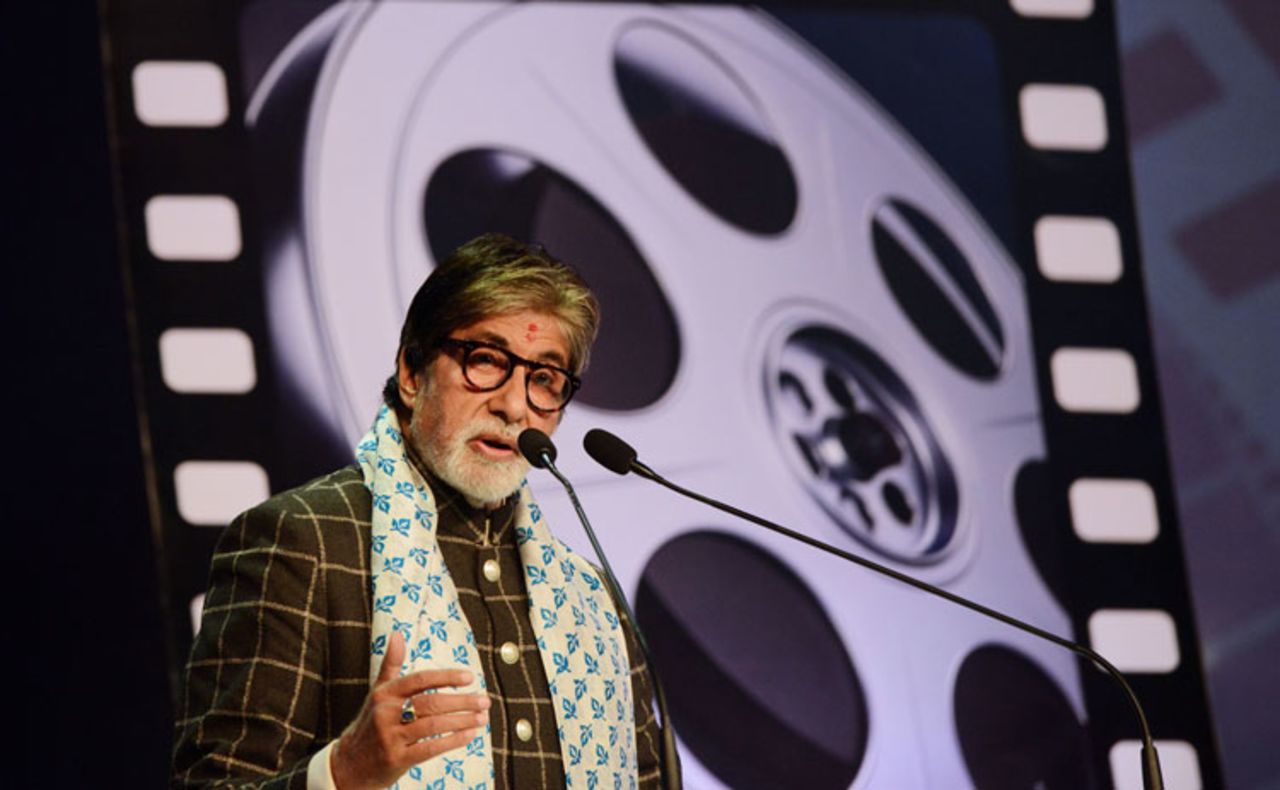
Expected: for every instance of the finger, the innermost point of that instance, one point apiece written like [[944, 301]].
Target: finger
[[441, 704], [393, 659], [389, 707], [444, 725], [425, 750], [418, 682]]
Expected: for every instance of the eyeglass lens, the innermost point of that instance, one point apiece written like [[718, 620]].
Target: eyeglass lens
[[489, 368]]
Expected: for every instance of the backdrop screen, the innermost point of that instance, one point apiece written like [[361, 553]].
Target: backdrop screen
[[867, 270]]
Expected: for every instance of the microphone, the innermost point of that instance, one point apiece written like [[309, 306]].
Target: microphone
[[539, 451], [537, 448], [617, 456]]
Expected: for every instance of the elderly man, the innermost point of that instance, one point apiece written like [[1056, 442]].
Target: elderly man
[[409, 620]]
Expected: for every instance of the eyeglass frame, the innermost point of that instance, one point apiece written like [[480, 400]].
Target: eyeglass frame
[[468, 347]]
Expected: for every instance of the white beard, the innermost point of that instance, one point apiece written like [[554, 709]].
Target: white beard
[[482, 481]]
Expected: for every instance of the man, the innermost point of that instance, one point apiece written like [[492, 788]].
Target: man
[[409, 619]]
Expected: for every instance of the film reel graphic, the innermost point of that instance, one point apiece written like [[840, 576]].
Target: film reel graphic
[[861, 350]]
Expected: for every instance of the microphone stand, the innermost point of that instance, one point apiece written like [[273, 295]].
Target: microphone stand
[[1151, 776], [670, 754]]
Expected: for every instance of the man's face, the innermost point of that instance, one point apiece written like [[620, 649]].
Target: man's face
[[468, 437]]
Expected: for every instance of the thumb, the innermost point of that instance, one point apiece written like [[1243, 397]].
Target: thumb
[[391, 662]]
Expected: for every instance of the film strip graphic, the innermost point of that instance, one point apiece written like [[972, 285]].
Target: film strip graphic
[[196, 293], [1109, 461], [217, 408]]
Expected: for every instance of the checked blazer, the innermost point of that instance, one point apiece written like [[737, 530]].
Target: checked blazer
[[281, 664]]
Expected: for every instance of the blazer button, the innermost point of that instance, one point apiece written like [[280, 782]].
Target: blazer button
[[509, 652], [524, 730], [491, 570]]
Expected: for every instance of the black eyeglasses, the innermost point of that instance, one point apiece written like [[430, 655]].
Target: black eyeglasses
[[487, 367]]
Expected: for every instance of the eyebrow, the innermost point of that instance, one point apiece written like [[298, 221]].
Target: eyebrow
[[494, 339]]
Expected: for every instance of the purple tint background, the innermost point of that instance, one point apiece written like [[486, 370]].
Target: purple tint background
[[1202, 89], [1192, 159]]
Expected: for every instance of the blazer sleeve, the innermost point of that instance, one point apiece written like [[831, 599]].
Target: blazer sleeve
[[253, 704]]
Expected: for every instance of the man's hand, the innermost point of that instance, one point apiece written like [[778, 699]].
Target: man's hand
[[378, 748]]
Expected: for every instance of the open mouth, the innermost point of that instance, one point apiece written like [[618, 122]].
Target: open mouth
[[494, 446]]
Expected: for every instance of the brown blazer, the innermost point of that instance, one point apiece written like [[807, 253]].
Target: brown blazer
[[281, 663]]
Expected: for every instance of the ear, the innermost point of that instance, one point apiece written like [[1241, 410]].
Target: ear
[[409, 383]]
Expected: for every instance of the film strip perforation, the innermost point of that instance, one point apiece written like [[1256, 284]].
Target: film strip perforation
[[1054, 9]]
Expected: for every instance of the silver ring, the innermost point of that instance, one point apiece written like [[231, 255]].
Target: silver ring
[[407, 714]]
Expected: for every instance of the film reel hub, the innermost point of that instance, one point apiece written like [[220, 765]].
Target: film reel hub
[[860, 445]]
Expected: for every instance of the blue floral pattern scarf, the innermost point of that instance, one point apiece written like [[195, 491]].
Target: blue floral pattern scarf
[[579, 637]]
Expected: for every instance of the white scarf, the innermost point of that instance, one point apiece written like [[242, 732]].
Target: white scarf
[[582, 646]]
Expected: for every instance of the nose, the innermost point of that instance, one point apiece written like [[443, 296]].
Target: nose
[[509, 401]]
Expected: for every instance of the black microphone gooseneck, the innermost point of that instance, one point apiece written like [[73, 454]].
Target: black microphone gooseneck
[[539, 451], [617, 456]]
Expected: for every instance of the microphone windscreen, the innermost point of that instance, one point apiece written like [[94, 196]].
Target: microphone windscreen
[[536, 447], [609, 451]]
